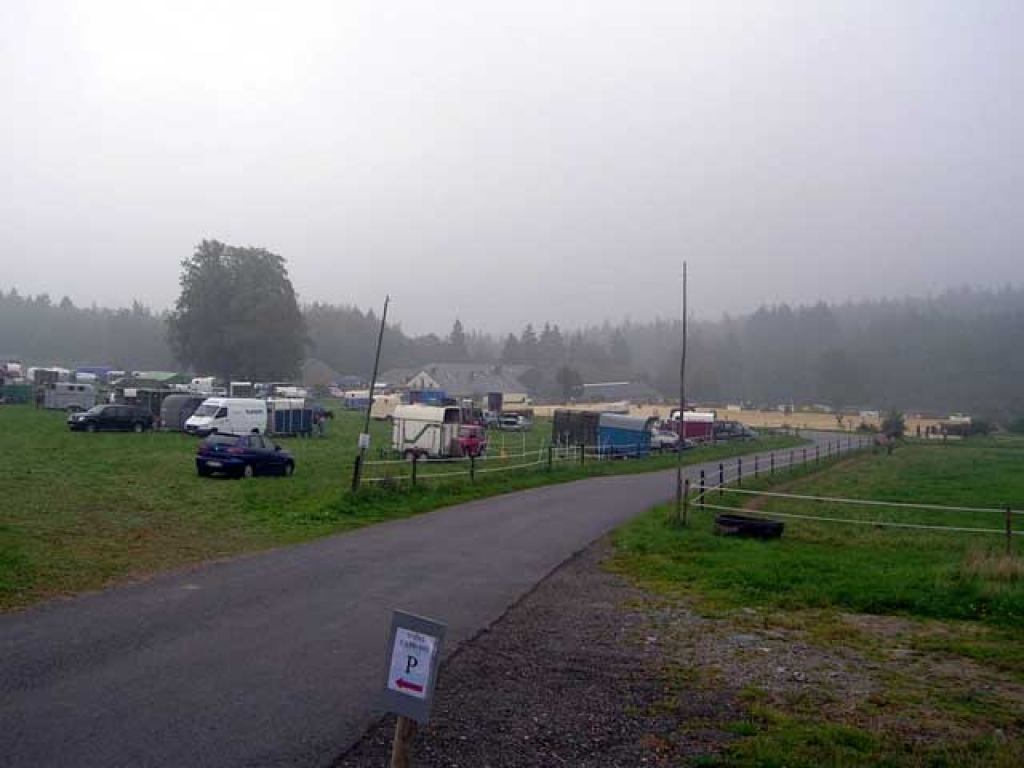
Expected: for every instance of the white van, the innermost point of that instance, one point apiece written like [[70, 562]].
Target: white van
[[426, 431], [229, 416]]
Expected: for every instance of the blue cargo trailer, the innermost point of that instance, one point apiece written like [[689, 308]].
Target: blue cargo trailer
[[427, 397], [619, 435]]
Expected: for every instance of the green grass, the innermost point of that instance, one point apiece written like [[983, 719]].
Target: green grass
[[774, 738], [960, 594], [857, 568], [81, 511]]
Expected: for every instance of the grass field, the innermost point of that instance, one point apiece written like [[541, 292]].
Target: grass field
[[861, 568], [948, 663], [80, 511]]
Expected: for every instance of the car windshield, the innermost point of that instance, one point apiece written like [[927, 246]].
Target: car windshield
[[213, 440], [96, 410], [206, 409]]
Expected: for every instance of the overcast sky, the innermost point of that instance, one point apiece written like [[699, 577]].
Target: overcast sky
[[515, 161]]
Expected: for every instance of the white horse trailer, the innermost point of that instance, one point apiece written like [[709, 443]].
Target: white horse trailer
[[65, 395], [426, 431]]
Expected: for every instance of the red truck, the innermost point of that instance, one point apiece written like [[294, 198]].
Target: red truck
[[472, 440]]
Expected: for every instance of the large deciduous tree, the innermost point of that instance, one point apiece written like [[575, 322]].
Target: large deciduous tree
[[237, 316]]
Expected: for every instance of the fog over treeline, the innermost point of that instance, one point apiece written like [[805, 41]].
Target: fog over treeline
[[956, 351]]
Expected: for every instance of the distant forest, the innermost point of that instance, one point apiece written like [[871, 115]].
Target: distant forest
[[961, 351]]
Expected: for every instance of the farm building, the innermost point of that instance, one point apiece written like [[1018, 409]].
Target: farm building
[[458, 380], [317, 373], [614, 391]]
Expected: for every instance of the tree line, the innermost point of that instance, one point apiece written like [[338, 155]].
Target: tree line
[[237, 316]]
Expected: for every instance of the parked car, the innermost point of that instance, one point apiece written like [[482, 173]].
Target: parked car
[[473, 440], [664, 440], [117, 418], [242, 456], [514, 422]]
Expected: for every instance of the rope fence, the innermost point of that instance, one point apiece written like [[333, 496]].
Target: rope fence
[[728, 480], [417, 469], [872, 523]]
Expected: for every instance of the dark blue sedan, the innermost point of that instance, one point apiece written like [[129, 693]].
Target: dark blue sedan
[[242, 456]]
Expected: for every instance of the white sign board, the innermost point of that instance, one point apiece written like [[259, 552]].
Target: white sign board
[[414, 651], [364, 441], [412, 658]]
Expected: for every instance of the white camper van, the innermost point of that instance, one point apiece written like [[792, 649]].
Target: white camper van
[[229, 416], [425, 431]]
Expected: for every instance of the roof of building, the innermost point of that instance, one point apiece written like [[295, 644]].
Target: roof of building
[[317, 373], [461, 379], [607, 391]]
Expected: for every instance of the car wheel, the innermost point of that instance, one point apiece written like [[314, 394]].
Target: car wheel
[[138, 427], [90, 427], [248, 471], [289, 469], [410, 455]]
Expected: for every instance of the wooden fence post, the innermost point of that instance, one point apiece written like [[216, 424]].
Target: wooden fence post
[[551, 450], [583, 453], [702, 489], [1009, 531], [686, 501], [772, 470], [739, 471], [472, 468], [721, 479], [415, 461], [756, 466], [401, 745]]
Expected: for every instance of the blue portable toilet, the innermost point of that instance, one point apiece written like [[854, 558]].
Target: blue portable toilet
[[619, 435]]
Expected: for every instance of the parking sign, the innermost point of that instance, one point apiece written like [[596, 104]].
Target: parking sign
[[414, 652]]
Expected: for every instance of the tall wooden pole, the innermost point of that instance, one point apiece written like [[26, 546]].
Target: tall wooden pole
[[682, 410], [358, 470]]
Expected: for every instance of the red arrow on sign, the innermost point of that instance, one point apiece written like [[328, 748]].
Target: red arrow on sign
[[402, 683]]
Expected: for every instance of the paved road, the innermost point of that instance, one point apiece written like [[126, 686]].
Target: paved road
[[276, 658]]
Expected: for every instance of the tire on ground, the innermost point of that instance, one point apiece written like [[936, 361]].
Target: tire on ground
[[747, 527]]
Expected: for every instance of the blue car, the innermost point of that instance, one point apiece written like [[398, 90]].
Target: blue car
[[242, 456]]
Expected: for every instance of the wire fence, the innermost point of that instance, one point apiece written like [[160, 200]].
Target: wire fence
[[728, 482], [413, 470]]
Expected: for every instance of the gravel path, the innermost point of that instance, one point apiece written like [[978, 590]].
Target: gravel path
[[571, 675]]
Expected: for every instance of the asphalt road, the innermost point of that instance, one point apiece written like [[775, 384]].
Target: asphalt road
[[277, 658]]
